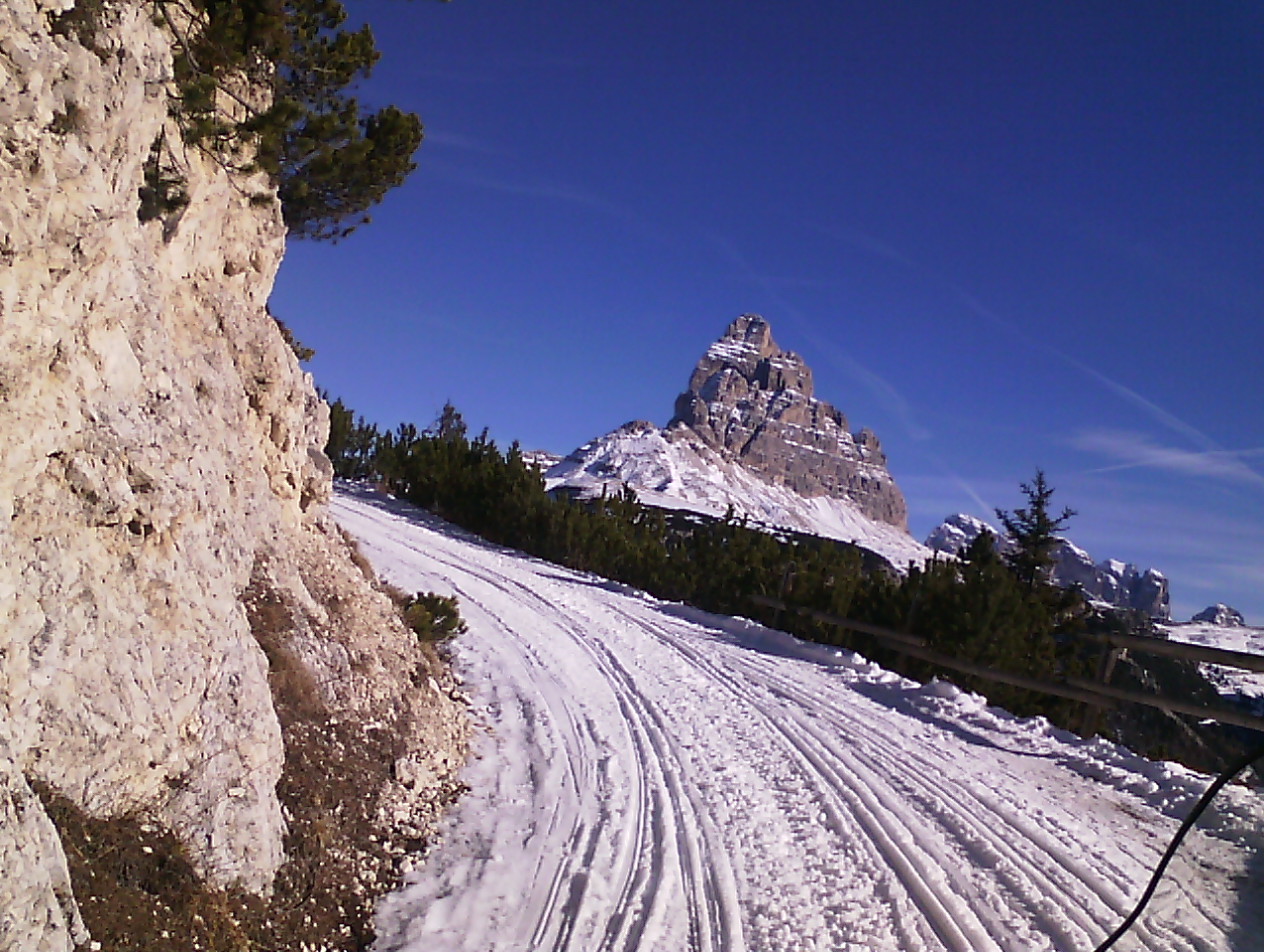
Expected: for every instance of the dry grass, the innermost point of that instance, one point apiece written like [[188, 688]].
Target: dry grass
[[358, 557], [137, 890], [396, 595], [295, 693]]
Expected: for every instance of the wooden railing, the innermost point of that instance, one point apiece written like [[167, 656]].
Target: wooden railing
[[1096, 693]]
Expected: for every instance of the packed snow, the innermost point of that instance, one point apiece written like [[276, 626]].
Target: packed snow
[[1233, 683], [651, 777]]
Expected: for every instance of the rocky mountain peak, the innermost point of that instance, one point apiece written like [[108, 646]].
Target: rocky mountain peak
[[753, 402], [747, 350], [1221, 614]]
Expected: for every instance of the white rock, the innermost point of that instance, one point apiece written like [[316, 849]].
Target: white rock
[[162, 451]]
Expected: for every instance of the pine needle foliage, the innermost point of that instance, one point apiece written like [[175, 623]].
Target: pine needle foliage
[[1034, 531], [330, 159], [433, 617]]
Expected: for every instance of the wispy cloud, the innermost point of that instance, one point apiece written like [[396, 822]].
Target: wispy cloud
[[1135, 450], [1151, 409], [446, 139], [556, 193], [979, 309], [465, 71], [790, 282], [865, 241], [891, 398], [968, 489], [550, 191], [1210, 460], [934, 497]]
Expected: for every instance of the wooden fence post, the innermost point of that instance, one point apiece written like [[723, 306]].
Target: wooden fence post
[[1091, 721]]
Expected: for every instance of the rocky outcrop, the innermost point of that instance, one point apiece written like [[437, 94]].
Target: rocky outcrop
[[1112, 582], [1222, 615], [752, 401], [162, 460], [1116, 583], [955, 533]]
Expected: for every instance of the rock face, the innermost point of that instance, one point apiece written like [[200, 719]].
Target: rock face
[[749, 436], [955, 533], [1222, 615], [162, 458], [1113, 582], [1116, 583], [752, 402]]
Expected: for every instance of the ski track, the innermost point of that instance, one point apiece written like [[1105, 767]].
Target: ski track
[[651, 777]]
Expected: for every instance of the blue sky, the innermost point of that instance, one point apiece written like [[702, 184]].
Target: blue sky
[[1002, 235]]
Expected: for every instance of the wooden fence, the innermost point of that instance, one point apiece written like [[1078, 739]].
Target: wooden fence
[[1096, 693]]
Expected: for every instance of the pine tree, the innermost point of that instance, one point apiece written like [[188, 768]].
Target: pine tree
[[1034, 532], [330, 160]]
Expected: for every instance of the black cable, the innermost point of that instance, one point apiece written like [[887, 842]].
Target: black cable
[[1229, 773]]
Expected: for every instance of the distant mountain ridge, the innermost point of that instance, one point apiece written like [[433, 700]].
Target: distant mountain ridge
[[748, 433], [1109, 581]]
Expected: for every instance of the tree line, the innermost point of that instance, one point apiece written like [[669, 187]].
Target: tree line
[[993, 609]]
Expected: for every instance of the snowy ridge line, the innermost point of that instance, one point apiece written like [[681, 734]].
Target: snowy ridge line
[[684, 474], [658, 778]]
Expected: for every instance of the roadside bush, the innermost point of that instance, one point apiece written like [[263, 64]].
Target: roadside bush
[[434, 618]]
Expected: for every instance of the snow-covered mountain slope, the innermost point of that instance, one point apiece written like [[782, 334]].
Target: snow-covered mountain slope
[[954, 534], [1231, 682], [749, 434], [656, 778], [667, 468]]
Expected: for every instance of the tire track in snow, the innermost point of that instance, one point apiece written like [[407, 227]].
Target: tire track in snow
[[869, 765], [1030, 873], [711, 917], [1042, 868], [660, 763], [709, 893], [850, 792], [547, 722]]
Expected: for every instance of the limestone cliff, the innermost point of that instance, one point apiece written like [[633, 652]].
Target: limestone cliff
[[753, 402], [748, 435], [161, 478]]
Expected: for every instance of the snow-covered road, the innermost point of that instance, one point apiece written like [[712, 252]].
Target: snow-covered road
[[655, 778]]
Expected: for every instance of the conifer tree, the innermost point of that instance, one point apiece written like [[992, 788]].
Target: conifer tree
[[1034, 532], [330, 160]]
